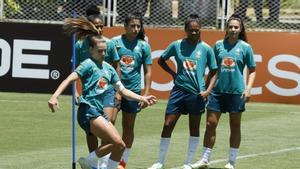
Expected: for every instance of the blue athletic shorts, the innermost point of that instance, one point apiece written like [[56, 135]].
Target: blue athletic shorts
[[130, 106], [109, 98], [85, 113], [222, 102], [184, 102]]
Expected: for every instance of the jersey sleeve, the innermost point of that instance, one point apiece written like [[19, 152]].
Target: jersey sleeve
[[113, 51], [170, 51], [147, 54], [250, 57], [114, 76], [83, 68], [119, 86], [211, 59], [81, 51]]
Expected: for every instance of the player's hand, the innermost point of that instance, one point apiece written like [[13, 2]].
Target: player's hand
[[148, 100], [53, 104], [77, 95], [246, 95], [204, 94], [142, 105], [118, 97]]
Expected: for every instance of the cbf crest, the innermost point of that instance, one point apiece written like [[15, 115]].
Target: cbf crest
[[127, 62], [228, 64], [190, 65], [102, 85]]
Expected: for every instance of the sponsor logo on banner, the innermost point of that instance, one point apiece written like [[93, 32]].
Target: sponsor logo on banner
[[18, 58], [38, 56]]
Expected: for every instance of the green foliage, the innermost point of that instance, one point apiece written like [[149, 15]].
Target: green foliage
[[292, 4], [13, 6]]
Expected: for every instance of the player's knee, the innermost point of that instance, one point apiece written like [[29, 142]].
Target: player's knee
[[119, 144], [211, 124], [169, 124]]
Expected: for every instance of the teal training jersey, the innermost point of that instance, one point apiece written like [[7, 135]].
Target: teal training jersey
[[96, 79], [232, 60], [191, 63], [82, 51], [132, 56]]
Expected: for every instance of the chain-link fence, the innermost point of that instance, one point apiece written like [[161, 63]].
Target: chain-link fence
[[274, 15], [259, 15]]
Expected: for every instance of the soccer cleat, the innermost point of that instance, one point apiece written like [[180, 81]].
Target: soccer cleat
[[200, 164], [186, 166], [229, 166], [83, 164], [157, 166]]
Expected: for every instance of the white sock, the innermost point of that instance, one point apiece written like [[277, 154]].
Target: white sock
[[92, 158], [206, 154], [105, 161], [233, 153], [164, 145], [192, 148], [126, 154], [112, 164]]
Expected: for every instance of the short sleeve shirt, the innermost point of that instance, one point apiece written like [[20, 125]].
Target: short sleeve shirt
[[232, 60], [191, 63], [133, 54], [96, 79]]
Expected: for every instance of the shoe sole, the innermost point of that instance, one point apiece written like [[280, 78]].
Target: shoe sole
[[201, 167]]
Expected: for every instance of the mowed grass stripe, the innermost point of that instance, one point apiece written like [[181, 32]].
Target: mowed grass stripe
[[27, 127]]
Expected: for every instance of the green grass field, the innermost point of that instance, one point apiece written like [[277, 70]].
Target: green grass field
[[33, 138]]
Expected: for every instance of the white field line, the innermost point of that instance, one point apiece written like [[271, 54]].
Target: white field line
[[253, 155]]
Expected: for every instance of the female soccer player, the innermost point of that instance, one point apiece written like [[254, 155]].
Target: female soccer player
[[188, 96], [230, 93], [111, 56], [97, 77], [134, 53]]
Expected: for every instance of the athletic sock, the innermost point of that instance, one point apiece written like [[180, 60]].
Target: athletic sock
[[126, 154], [112, 164], [206, 154], [164, 145], [92, 159], [105, 161], [193, 144], [233, 153]]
